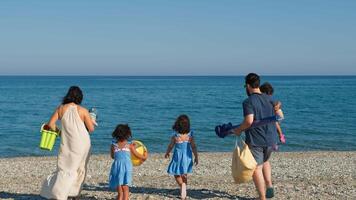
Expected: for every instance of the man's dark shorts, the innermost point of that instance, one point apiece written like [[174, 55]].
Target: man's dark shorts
[[261, 154]]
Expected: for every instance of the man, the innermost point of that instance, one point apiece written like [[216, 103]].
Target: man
[[259, 139]]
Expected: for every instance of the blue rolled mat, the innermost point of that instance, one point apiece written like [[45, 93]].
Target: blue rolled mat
[[227, 129]]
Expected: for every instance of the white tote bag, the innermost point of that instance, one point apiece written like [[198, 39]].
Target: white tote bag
[[243, 162]]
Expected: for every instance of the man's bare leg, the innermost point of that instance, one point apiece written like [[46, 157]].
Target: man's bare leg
[[259, 181], [267, 173]]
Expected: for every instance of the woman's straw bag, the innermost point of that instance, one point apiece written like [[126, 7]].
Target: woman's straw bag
[[243, 162]]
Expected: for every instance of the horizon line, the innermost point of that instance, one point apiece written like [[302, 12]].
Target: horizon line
[[106, 75]]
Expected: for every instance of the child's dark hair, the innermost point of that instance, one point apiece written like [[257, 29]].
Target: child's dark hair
[[182, 124], [267, 88], [122, 132]]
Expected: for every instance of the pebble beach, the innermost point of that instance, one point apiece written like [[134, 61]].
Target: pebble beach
[[296, 175]]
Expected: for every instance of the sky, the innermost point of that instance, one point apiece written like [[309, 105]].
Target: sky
[[185, 37]]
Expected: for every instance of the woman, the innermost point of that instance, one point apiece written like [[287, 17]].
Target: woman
[[74, 149]]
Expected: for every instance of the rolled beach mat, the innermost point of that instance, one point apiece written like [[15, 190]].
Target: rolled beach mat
[[226, 129]]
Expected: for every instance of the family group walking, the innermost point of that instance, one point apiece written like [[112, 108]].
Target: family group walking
[[74, 151]]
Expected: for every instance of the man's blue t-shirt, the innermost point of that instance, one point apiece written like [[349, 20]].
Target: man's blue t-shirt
[[261, 106]]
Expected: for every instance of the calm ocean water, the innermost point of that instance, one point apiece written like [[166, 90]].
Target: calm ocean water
[[320, 111]]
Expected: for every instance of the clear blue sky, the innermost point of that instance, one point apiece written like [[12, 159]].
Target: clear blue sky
[[185, 37]]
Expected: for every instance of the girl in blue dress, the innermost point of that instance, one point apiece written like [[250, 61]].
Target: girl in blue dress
[[121, 169], [184, 146]]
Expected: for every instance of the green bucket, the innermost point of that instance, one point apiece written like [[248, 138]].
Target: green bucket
[[48, 138]]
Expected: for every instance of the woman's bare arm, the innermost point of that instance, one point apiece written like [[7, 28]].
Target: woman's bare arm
[[88, 121], [52, 121]]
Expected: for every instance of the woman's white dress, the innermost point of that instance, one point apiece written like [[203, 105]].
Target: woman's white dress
[[72, 158]]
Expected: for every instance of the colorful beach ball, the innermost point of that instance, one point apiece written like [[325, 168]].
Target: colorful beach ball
[[140, 148]]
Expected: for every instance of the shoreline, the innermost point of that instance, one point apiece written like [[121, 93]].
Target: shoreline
[[296, 175], [208, 152]]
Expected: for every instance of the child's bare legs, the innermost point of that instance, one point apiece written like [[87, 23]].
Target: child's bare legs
[[123, 192], [280, 133], [125, 189], [120, 193], [182, 185], [185, 178]]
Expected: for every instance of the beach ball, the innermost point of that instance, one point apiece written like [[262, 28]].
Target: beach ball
[[140, 148]]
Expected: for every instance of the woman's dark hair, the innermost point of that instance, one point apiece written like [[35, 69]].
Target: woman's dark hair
[[74, 95], [253, 80], [267, 88], [122, 132], [182, 124]]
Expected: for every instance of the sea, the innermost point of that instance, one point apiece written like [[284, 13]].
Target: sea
[[320, 111]]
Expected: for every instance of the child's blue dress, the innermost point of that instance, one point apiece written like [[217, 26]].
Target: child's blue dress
[[182, 161], [121, 168]]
